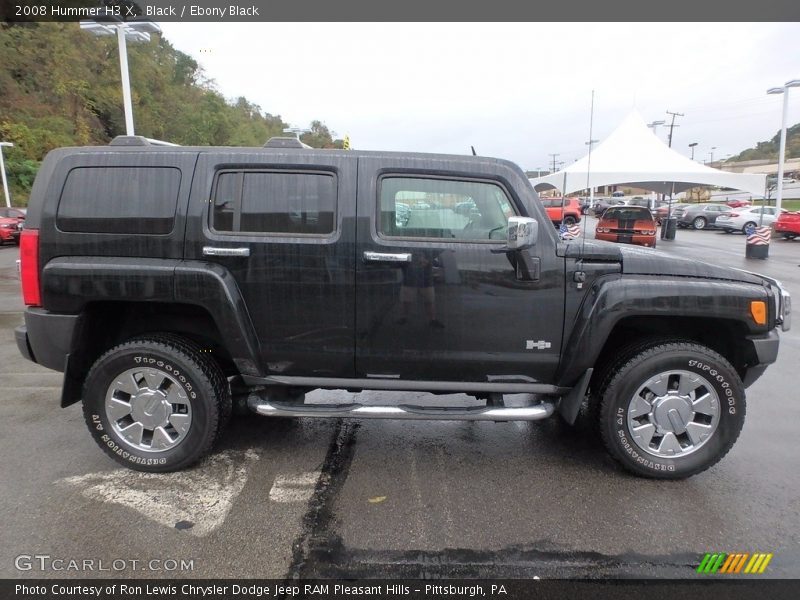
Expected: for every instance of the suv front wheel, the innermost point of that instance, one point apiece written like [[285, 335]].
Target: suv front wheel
[[671, 410], [156, 403]]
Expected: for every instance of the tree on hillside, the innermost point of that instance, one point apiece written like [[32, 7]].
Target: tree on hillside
[[770, 149], [320, 137], [60, 87]]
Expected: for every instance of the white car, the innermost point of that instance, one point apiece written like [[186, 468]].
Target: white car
[[739, 219]]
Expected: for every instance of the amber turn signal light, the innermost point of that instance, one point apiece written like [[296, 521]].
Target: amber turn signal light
[[758, 310]]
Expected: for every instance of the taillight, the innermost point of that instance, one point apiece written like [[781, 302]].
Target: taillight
[[29, 267]]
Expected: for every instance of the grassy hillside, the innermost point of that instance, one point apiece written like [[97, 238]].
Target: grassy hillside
[[769, 149], [61, 87]]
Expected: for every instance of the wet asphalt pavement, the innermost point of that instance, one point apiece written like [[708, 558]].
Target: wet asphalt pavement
[[284, 498]]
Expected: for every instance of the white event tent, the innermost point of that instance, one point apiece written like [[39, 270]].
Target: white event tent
[[633, 155]]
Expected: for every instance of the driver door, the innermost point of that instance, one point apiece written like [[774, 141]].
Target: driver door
[[433, 302]]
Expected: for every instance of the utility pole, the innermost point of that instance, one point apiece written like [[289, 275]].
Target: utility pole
[[672, 124], [554, 160]]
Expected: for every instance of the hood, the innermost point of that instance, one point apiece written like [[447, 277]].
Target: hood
[[644, 261]]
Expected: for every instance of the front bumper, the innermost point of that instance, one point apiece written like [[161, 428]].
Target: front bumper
[[766, 351], [636, 239]]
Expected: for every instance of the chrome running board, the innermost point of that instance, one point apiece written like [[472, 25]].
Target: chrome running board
[[438, 413]]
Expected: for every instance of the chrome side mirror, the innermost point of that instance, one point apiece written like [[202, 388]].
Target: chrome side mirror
[[522, 233]]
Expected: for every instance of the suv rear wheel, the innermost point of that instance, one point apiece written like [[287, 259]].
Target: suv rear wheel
[[156, 403], [569, 220], [671, 410]]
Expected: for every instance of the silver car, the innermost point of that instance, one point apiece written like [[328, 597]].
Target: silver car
[[699, 216]]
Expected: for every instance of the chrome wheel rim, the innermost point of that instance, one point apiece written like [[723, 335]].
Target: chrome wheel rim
[[148, 409], [673, 414]]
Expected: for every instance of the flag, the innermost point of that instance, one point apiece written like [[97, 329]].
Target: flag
[[569, 232]]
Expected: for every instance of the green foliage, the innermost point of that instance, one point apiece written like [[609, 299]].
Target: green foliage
[[60, 87], [770, 149], [321, 137]]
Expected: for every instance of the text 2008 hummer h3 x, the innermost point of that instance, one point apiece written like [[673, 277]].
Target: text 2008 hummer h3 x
[[170, 282]]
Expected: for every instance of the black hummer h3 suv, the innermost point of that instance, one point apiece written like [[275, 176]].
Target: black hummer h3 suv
[[167, 282]]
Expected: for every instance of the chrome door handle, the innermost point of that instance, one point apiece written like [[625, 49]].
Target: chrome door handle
[[215, 251], [401, 257]]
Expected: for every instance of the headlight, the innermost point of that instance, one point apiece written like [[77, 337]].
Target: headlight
[[783, 303], [6, 225]]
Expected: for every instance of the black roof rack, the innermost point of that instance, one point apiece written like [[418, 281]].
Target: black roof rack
[[285, 142], [138, 140]]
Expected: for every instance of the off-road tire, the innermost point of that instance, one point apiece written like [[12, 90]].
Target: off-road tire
[[620, 383], [201, 379]]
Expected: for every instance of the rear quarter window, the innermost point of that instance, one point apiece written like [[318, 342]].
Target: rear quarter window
[[133, 200]]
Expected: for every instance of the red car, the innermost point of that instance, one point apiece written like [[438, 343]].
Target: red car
[[627, 225], [572, 210], [13, 212], [788, 224], [9, 230], [737, 203]]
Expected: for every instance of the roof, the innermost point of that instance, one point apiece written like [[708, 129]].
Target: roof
[[633, 155]]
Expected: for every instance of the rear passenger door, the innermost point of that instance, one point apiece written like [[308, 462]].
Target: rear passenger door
[[282, 224]]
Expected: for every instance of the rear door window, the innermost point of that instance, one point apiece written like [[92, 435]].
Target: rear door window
[[276, 202]]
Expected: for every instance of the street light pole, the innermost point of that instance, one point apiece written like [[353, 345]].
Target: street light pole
[[782, 152], [3, 171], [126, 80], [135, 31], [692, 146], [654, 126]]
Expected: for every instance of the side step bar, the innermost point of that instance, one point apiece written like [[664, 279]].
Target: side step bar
[[403, 411]]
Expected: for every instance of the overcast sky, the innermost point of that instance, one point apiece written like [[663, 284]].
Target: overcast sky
[[517, 91]]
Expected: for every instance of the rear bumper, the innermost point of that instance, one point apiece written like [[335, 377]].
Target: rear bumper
[[21, 335], [46, 337], [787, 228]]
